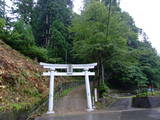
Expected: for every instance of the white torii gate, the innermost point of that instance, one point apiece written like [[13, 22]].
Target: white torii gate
[[69, 72]]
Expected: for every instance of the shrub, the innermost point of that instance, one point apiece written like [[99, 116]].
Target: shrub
[[38, 53], [103, 90], [2, 30]]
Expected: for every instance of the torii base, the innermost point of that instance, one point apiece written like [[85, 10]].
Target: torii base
[[50, 112], [90, 110]]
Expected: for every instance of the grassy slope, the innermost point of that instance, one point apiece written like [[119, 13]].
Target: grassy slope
[[21, 84]]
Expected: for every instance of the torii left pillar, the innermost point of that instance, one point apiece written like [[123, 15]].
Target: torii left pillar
[[51, 93]]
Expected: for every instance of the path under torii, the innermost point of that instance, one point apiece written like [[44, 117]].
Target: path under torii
[[69, 72]]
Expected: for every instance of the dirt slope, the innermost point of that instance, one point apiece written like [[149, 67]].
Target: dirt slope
[[21, 83]]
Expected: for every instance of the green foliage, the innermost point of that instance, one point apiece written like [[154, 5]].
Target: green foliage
[[50, 22], [16, 107], [128, 63], [2, 8], [22, 39], [2, 23], [31, 91], [38, 53], [24, 8], [58, 40], [91, 39], [47, 12], [65, 92], [44, 24], [21, 36], [19, 106], [101, 33], [2, 30], [103, 89]]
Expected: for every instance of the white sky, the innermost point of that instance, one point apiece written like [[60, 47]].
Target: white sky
[[144, 12], [78, 5]]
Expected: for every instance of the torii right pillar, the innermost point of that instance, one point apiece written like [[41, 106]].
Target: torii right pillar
[[88, 92]]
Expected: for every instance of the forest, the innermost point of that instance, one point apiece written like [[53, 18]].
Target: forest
[[50, 31]]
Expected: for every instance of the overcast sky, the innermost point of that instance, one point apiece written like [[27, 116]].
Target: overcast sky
[[144, 12]]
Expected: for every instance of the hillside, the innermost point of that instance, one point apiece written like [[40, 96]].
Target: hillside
[[21, 84]]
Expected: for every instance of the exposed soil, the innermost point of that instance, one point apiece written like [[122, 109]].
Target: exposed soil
[[21, 83]]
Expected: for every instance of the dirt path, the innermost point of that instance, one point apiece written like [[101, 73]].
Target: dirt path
[[75, 101]]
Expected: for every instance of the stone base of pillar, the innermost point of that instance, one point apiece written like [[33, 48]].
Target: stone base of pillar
[[50, 112], [94, 107], [90, 110]]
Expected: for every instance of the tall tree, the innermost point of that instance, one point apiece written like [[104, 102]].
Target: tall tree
[[58, 42], [24, 9], [48, 11], [2, 8], [91, 39], [107, 2], [50, 22]]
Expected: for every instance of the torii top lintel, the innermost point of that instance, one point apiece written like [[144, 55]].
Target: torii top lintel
[[66, 66]]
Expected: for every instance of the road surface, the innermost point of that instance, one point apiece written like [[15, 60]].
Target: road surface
[[116, 115], [71, 106]]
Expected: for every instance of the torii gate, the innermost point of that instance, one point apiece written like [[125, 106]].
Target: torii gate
[[69, 72]]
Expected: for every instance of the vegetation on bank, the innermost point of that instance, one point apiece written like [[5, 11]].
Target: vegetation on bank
[[21, 84]]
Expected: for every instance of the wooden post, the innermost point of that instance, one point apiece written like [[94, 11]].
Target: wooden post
[[95, 95]]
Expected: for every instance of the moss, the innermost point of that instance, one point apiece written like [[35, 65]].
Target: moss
[[2, 108], [16, 107], [65, 92]]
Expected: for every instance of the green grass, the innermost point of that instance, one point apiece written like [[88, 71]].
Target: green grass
[[20, 106], [65, 92]]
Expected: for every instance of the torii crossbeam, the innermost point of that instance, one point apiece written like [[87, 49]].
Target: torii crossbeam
[[69, 72]]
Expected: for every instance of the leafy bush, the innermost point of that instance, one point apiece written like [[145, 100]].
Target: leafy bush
[[22, 39], [103, 89], [2, 24], [36, 52], [55, 60], [3, 32]]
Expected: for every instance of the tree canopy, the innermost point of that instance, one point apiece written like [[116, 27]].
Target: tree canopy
[[49, 31]]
